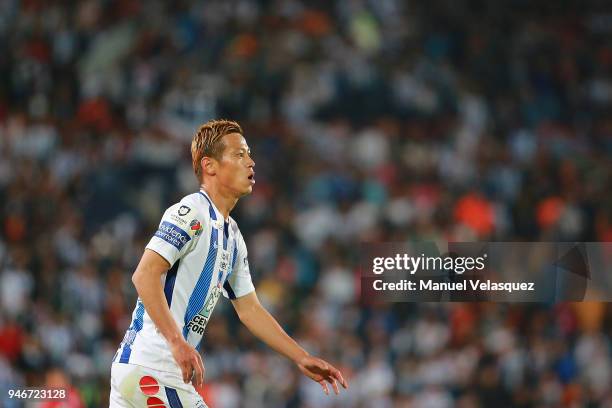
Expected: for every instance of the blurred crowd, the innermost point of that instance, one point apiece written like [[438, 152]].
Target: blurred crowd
[[370, 120]]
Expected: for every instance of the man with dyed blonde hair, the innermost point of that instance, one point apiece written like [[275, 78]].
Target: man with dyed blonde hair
[[208, 141], [197, 255]]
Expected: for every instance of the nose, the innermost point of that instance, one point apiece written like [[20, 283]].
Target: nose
[[251, 162]]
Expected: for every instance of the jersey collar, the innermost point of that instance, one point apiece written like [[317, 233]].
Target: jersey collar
[[218, 216]]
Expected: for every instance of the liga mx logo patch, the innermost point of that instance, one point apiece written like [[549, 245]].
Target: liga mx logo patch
[[195, 227]]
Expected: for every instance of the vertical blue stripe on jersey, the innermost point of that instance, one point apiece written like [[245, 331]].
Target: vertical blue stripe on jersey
[[198, 296], [225, 235], [170, 279], [173, 398], [229, 290], [211, 210], [234, 256], [136, 327], [226, 284]]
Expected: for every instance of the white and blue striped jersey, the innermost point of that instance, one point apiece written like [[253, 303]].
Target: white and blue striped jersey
[[208, 257]]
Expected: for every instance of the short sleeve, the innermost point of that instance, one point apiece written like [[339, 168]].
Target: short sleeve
[[176, 232], [239, 282]]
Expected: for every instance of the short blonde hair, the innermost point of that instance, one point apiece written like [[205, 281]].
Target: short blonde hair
[[208, 142]]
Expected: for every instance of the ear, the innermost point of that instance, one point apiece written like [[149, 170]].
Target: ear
[[209, 166]]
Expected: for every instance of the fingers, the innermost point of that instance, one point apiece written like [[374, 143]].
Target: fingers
[[323, 373], [189, 361], [324, 385], [198, 365], [334, 386], [338, 376], [186, 370], [332, 376]]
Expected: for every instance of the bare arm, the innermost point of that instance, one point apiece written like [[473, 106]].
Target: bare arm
[[261, 323], [147, 280]]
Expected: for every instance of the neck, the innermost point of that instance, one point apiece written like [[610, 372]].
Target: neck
[[224, 202]]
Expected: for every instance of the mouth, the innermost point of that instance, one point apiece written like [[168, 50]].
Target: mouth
[[251, 178]]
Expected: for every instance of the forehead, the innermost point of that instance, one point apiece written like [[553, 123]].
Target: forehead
[[235, 141]]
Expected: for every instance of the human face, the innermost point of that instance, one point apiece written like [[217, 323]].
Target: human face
[[235, 170]]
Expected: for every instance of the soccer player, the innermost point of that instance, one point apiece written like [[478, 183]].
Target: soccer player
[[197, 255]]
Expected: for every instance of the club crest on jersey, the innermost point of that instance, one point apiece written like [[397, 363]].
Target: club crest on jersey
[[195, 227], [224, 264], [183, 210]]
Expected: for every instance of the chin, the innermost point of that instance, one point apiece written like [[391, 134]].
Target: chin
[[248, 191]]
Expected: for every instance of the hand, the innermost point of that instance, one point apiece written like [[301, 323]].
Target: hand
[[322, 372], [189, 360]]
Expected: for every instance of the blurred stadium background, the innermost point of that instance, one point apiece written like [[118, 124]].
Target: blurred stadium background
[[370, 120]]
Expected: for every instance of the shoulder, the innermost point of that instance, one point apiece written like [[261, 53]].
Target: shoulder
[[192, 204], [186, 213]]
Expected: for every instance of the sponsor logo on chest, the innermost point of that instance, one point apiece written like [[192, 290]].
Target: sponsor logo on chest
[[198, 323]]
